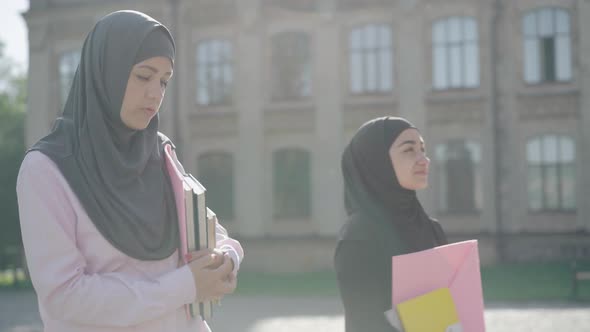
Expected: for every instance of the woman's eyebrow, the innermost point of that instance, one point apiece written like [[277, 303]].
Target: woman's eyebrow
[[407, 142], [412, 142], [153, 69]]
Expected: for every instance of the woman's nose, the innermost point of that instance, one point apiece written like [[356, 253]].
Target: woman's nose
[[423, 159], [155, 90]]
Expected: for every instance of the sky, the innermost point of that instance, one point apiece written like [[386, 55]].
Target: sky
[[13, 31]]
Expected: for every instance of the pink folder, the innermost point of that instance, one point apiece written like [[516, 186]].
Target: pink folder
[[176, 180], [455, 266]]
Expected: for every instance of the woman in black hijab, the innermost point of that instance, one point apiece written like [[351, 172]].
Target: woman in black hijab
[[383, 166], [98, 213]]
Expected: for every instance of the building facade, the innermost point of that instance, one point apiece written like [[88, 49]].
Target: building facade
[[267, 93]]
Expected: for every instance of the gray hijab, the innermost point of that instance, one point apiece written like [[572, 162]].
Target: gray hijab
[[117, 173]]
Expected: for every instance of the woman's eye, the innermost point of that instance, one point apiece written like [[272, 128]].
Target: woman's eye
[[142, 78], [409, 150]]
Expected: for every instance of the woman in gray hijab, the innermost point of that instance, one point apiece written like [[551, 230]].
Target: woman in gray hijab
[[97, 210]]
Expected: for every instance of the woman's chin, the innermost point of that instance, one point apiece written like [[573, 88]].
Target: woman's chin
[[421, 185], [137, 125]]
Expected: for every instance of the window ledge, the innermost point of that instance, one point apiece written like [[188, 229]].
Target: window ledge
[[214, 109], [293, 220], [548, 89], [369, 99], [550, 213], [289, 106], [293, 226], [454, 95], [466, 214]]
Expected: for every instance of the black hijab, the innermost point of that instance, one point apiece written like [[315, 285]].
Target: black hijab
[[378, 207], [117, 173]]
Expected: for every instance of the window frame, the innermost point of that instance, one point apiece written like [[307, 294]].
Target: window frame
[[378, 55], [205, 86], [306, 201], [226, 157], [72, 57], [559, 165], [534, 66], [441, 157], [464, 43], [285, 39]]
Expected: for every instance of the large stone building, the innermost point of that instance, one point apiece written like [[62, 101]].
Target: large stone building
[[267, 93]]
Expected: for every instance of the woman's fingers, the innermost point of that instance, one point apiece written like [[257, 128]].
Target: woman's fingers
[[218, 256], [230, 283], [192, 255], [212, 283], [202, 262], [224, 269], [227, 280]]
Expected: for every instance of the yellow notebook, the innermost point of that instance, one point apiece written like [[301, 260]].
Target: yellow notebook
[[432, 312]]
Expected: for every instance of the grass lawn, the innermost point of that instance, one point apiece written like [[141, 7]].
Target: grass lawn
[[548, 281], [303, 284], [532, 281], [11, 280], [504, 282]]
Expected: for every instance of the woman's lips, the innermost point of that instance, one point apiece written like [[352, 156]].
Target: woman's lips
[[149, 111]]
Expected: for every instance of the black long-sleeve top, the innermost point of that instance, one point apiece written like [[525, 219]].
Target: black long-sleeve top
[[364, 278]]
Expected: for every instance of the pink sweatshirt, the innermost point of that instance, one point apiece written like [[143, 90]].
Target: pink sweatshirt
[[85, 284]]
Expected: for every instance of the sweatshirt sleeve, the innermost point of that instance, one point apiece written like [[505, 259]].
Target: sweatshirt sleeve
[[362, 281], [58, 269], [228, 245]]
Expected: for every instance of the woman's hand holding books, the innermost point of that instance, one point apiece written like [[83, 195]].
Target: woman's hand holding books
[[213, 274]]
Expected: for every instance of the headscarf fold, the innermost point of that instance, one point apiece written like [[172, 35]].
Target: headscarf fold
[[117, 173]]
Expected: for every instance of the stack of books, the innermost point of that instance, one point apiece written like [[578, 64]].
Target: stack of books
[[200, 232]]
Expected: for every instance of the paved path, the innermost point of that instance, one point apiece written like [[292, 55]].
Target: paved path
[[18, 313]]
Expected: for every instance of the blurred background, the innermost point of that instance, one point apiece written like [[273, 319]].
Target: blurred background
[[266, 94]]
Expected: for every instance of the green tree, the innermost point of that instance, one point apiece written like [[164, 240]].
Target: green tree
[[12, 146]]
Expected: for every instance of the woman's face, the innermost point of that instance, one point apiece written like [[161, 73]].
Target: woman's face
[[408, 156], [145, 91]]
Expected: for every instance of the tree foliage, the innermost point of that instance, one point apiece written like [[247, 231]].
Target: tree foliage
[[12, 146]]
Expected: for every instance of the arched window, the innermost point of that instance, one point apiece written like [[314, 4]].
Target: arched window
[[371, 59], [68, 64], [291, 184], [216, 173], [460, 187], [551, 173], [547, 45], [455, 53], [291, 66], [214, 72]]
